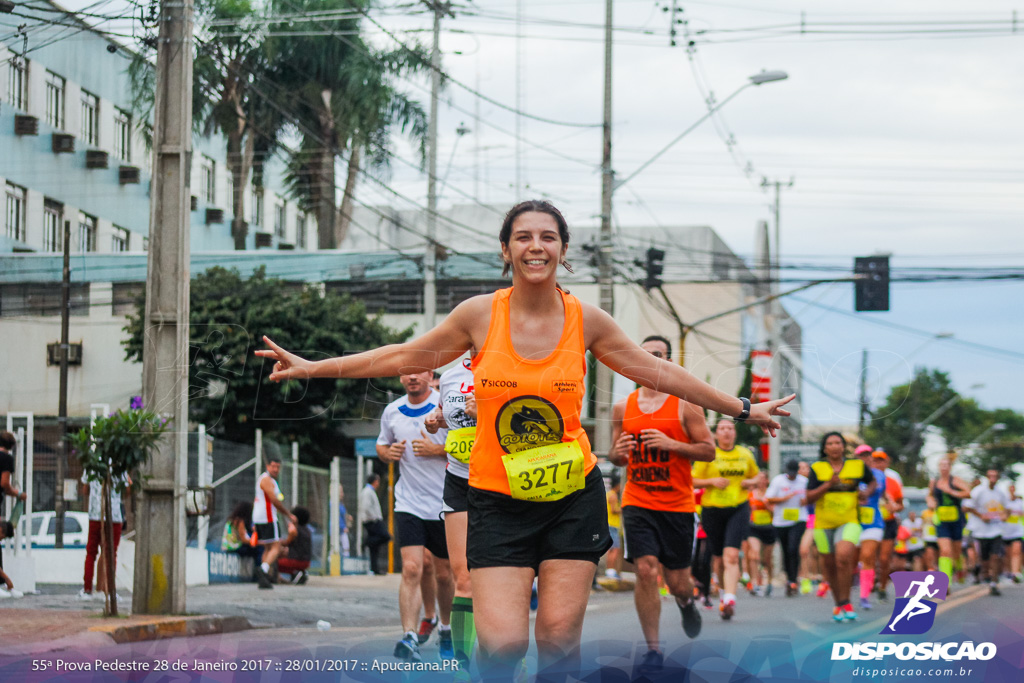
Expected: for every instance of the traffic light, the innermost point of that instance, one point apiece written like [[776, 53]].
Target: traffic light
[[871, 288], [653, 266]]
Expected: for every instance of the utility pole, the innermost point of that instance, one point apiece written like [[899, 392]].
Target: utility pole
[[430, 255], [159, 586], [863, 393], [62, 400], [606, 285], [774, 453]]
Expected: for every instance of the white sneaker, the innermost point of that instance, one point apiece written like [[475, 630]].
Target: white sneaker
[[15, 593], [82, 595], [4, 593]]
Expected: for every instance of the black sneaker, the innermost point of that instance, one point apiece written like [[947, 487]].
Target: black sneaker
[[691, 617], [262, 579], [303, 577], [994, 590], [408, 648], [652, 663]]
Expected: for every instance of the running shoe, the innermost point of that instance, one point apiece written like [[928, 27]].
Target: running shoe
[[993, 589], [849, 613], [837, 613], [865, 603], [805, 586], [652, 663], [427, 627], [445, 649], [822, 589], [262, 579], [791, 590], [1018, 577], [84, 596], [758, 591], [4, 593], [408, 648], [882, 594], [768, 591], [691, 617], [727, 609]]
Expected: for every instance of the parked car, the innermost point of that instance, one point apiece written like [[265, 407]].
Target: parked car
[[44, 529]]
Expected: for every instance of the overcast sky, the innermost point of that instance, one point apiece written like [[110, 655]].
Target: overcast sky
[[900, 126]]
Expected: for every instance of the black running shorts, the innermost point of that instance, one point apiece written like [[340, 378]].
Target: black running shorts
[[668, 536], [456, 493], [764, 533], [266, 532], [892, 527], [505, 532], [726, 527], [428, 533]]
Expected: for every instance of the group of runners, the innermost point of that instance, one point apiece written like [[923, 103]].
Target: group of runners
[[534, 499]]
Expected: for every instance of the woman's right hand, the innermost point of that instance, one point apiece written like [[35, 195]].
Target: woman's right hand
[[288, 365]]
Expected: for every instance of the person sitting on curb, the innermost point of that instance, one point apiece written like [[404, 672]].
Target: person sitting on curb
[[298, 547]]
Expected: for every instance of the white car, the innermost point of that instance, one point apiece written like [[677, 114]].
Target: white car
[[44, 527]]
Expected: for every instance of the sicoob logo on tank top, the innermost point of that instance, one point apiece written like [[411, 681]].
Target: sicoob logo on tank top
[[528, 422]]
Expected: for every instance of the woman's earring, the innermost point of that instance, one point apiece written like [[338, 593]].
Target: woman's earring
[[567, 266]]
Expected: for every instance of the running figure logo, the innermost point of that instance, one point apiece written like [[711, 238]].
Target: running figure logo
[[914, 612]]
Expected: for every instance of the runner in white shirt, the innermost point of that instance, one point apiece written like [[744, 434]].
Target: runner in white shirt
[[403, 439], [457, 413], [988, 505], [787, 492]]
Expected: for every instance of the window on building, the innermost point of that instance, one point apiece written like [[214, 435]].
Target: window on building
[[42, 299], [17, 83], [53, 231], [55, 90], [208, 179], [122, 135], [86, 232], [301, 230], [121, 240], [125, 297], [257, 206], [280, 213], [90, 119], [15, 212]]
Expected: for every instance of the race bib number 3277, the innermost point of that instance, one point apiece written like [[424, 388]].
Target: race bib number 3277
[[545, 473]]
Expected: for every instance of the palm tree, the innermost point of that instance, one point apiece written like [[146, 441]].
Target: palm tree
[[229, 61], [344, 99]]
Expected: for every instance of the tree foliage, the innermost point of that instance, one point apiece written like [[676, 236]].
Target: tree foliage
[[898, 424], [228, 389]]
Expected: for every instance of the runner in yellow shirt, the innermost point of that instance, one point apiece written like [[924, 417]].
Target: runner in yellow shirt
[[725, 512]]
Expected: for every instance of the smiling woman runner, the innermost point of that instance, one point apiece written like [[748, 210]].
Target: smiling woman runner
[[536, 503]]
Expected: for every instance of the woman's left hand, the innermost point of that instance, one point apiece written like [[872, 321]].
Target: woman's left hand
[[763, 414]]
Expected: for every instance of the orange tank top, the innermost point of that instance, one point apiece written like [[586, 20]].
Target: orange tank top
[[655, 479], [523, 404]]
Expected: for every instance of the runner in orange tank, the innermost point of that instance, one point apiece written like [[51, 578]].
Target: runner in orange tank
[[657, 436], [531, 462]]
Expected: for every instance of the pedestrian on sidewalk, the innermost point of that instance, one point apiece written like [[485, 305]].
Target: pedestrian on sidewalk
[[269, 501], [95, 534], [375, 532]]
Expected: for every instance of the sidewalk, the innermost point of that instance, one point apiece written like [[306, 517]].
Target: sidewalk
[[55, 618]]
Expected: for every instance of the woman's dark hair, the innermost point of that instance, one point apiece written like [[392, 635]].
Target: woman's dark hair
[[821, 448], [301, 515], [242, 511], [529, 206]]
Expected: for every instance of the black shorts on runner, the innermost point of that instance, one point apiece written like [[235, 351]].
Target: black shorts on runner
[[726, 527], [505, 532], [668, 536], [456, 493], [266, 532], [951, 530], [892, 527], [988, 547], [428, 533], [764, 533]]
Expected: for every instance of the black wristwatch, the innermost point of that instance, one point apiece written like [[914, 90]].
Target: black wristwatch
[[745, 413]]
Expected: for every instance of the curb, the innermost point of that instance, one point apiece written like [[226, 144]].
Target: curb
[[172, 627]]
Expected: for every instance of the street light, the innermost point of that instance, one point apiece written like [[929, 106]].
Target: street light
[[756, 79]]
